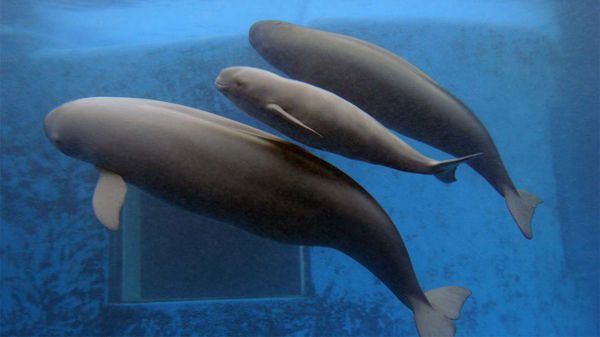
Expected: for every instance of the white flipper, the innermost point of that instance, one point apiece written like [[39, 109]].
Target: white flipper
[[109, 197], [274, 108]]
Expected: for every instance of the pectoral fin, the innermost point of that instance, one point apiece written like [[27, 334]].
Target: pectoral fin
[[276, 109], [109, 197]]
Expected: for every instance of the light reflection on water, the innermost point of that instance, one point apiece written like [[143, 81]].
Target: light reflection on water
[[85, 24]]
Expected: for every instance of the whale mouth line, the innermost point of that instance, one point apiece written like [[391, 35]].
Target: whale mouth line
[[221, 85]]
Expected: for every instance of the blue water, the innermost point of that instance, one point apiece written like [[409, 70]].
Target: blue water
[[528, 69]]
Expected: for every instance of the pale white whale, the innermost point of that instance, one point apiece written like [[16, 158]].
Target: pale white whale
[[323, 120], [231, 172]]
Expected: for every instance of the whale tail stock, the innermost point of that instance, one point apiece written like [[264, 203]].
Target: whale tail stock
[[521, 205], [436, 318], [445, 170]]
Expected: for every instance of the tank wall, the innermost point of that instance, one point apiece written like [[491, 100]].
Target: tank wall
[[576, 146], [55, 254]]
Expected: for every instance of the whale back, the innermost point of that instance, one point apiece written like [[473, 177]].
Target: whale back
[[389, 88]]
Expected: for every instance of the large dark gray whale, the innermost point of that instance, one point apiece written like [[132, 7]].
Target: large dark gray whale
[[323, 120], [232, 172], [396, 93]]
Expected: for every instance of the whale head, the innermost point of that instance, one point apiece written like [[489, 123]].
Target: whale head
[[249, 88], [230, 79], [64, 127], [80, 128], [262, 31]]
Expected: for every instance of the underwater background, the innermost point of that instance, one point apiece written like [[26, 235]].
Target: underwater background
[[530, 70]]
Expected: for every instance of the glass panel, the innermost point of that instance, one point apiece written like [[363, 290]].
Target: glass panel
[[167, 253]]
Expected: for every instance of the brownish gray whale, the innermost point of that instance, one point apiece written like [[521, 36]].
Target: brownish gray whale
[[396, 93], [323, 120], [231, 172]]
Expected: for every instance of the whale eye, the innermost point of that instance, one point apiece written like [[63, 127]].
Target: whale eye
[[55, 139]]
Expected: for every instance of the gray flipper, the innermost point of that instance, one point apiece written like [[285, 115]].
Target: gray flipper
[[274, 108], [109, 197], [445, 170], [436, 317], [521, 206]]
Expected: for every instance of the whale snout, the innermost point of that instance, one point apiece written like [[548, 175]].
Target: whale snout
[[221, 84], [229, 79], [260, 28], [50, 126], [58, 123]]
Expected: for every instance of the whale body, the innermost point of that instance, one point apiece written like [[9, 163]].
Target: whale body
[[394, 92], [323, 120], [231, 172]]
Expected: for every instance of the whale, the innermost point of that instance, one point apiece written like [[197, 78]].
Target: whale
[[394, 92], [231, 172], [325, 121]]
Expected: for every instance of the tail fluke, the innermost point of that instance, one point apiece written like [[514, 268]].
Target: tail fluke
[[448, 299], [436, 320], [445, 170], [522, 206]]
